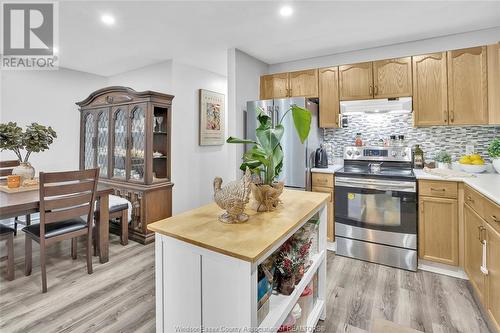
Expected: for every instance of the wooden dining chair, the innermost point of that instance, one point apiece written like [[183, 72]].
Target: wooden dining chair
[[6, 168], [7, 233], [65, 197]]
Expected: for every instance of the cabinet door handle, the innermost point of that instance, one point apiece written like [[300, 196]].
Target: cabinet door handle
[[452, 116], [470, 199], [445, 116], [370, 91], [479, 234], [495, 219], [376, 90], [438, 189]]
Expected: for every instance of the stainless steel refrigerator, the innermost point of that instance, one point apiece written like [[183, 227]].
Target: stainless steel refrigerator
[[298, 158]]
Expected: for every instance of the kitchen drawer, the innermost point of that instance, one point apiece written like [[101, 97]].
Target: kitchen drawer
[[474, 200], [491, 214], [322, 179], [438, 188], [328, 190]]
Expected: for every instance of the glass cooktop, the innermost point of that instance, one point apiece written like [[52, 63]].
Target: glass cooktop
[[358, 170]]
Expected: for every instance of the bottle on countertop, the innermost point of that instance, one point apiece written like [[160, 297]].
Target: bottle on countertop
[[359, 141], [418, 158]]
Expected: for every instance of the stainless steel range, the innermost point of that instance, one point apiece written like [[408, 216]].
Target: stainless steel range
[[376, 206]]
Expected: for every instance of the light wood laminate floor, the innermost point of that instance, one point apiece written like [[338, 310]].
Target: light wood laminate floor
[[119, 295]]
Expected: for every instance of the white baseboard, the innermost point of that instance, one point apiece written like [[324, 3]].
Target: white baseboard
[[438, 268], [331, 246]]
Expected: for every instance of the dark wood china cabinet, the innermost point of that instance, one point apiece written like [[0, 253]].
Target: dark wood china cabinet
[[127, 135]]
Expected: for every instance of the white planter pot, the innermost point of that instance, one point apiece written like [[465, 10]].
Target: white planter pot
[[496, 164]]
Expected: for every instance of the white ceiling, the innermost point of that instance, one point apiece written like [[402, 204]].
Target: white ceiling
[[200, 32]]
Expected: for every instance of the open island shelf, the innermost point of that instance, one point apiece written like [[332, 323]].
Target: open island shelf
[[207, 271]]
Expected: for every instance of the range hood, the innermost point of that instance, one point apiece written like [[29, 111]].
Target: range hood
[[383, 105]]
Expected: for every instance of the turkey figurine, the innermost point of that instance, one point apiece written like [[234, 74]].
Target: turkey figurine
[[232, 198]]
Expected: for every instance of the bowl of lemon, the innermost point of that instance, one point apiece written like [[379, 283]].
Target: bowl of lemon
[[472, 163]]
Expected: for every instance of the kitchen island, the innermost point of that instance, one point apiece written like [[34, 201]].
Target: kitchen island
[[207, 271]]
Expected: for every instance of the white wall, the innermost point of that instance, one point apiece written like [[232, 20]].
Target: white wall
[[469, 39], [48, 98], [156, 77], [193, 167]]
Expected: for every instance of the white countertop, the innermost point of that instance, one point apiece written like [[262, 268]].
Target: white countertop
[[488, 183], [332, 168]]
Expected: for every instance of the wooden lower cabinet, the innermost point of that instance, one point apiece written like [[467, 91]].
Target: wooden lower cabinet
[[324, 182], [330, 227], [493, 278], [438, 230], [149, 204], [474, 251]]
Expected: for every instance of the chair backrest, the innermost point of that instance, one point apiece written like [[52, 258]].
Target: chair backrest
[[6, 168], [67, 195]]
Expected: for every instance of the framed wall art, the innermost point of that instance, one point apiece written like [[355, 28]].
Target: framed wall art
[[212, 118]]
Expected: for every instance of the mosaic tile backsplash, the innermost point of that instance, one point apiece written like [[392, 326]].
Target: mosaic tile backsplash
[[431, 139]]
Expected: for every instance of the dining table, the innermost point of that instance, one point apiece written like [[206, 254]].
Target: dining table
[[28, 202]]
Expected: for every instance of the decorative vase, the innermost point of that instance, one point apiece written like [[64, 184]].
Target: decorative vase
[[24, 170], [496, 164], [266, 197], [287, 285], [443, 165]]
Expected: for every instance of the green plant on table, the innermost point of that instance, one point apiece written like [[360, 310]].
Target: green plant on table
[[265, 158], [35, 138], [443, 157], [494, 148]]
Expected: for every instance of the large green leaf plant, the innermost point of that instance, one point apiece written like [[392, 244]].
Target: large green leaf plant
[[265, 158]]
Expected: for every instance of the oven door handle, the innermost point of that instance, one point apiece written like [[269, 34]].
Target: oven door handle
[[377, 186]]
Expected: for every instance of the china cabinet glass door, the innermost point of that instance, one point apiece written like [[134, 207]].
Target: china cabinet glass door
[[120, 143], [89, 143], [102, 141], [138, 143]]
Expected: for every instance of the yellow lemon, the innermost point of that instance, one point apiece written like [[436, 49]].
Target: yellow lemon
[[475, 157], [478, 162], [465, 160]]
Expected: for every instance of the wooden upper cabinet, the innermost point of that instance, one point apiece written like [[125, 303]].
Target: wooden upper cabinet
[[392, 78], [430, 89], [274, 86], [467, 86], [303, 83], [438, 230], [329, 107], [356, 81], [494, 83], [474, 251], [493, 280]]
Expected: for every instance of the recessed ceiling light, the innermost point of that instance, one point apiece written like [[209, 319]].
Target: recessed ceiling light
[[286, 11], [107, 19]]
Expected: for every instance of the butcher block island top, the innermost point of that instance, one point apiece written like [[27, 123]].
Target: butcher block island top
[[247, 241]]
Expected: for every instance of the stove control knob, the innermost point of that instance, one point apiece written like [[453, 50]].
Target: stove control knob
[[403, 154], [357, 153], [349, 152], [394, 153]]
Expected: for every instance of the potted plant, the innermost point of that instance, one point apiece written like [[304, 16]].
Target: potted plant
[[35, 138], [494, 153], [443, 160], [265, 158]]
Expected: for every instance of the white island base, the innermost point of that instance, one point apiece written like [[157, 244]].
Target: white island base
[[206, 271]]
